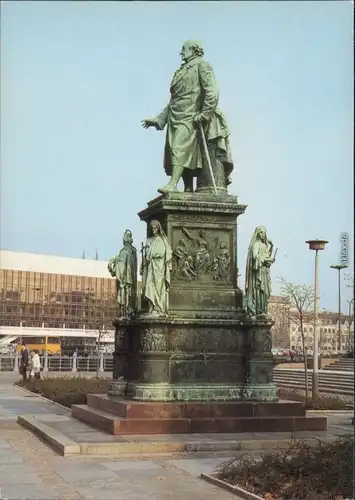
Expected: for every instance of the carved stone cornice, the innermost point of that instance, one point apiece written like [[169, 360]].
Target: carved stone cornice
[[196, 203]]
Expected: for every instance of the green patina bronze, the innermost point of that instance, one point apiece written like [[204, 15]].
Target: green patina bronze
[[156, 270], [123, 267], [257, 277], [192, 340], [194, 103]]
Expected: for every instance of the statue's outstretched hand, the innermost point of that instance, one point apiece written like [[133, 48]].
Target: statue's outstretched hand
[[149, 122]]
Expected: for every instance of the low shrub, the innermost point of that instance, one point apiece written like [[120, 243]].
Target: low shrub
[[67, 391], [321, 403], [315, 470]]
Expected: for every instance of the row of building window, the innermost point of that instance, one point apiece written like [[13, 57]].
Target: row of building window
[[322, 330], [51, 300]]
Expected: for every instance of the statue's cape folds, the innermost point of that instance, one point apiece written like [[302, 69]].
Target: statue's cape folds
[[217, 133]]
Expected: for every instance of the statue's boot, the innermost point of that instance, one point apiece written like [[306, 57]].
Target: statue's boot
[[172, 184]]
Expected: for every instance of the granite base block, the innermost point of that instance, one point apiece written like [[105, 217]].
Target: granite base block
[[127, 417]]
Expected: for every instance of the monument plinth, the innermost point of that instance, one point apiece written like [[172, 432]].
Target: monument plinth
[[200, 351]]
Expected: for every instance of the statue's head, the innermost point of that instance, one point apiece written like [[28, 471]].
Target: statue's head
[[127, 237], [260, 232], [223, 246], [191, 48], [155, 228], [182, 242]]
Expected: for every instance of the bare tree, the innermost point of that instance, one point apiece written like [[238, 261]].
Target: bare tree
[[102, 311], [301, 298], [279, 309]]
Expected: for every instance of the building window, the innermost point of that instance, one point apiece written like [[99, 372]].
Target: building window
[[12, 295]]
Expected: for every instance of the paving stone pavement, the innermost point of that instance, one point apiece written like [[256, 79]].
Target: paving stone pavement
[[30, 470]]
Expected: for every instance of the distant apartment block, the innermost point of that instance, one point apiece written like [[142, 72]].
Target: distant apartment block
[[286, 332]]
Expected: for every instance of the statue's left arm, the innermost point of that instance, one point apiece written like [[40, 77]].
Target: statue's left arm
[[210, 90]]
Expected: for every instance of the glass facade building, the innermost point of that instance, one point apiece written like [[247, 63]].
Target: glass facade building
[[35, 299]]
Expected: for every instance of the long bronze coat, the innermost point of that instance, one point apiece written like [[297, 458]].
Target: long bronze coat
[[193, 90]]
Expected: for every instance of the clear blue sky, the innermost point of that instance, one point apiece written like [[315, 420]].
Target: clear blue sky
[[78, 77]]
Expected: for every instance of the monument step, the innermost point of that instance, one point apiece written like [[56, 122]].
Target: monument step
[[129, 426], [192, 410]]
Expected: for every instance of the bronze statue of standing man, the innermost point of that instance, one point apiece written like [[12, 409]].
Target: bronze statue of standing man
[[197, 138], [123, 267]]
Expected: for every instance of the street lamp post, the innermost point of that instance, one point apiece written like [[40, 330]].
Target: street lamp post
[[339, 267], [315, 245]]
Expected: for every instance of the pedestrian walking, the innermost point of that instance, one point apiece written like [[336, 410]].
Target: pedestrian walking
[[36, 365], [24, 361]]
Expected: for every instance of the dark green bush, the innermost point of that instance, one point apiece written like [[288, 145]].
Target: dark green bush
[[315, 470], [67, 391]]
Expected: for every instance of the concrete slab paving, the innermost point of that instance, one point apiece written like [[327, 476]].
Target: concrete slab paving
[[144, 470], [83, 475], [30, 470], [49, 417], [24, 492], [11, 478], [197, 466], [46, 475], [4, 444], [136, 466], [120, 491], [14, 401], [8, 456]]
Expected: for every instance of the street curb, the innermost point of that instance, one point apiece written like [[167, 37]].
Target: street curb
[[42, 397], [56, 439], [66, 446], [236, 490], [138, 448]]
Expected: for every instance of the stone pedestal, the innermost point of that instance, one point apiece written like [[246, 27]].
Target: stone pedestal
[[206, 367], [206, 350], [192, 360], [203, 222]]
